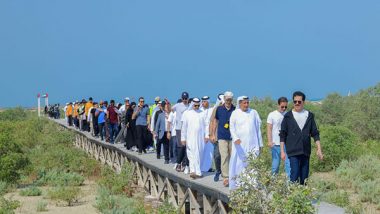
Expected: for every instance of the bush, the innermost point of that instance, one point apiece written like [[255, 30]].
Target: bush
[[13, 114], [118, 183], [12, 158], [42, 206], [55, 178], [7, 206], [261, 192], [31, 191], [3, 188], [337, 197], [106, 203], [338, 143], [166, 208], [65, 194]]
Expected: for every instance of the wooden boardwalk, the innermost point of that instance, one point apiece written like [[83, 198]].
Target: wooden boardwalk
[[202, 195]]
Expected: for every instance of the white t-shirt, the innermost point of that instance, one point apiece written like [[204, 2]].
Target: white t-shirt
[[179, 108], [275, 118], [301, 117], [172, 121]]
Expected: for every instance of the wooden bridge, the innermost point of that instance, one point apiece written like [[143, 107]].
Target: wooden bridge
[[161, 181]]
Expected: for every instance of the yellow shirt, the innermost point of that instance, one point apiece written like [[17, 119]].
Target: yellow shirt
[[87, 107], [76, 110], [69, 110]]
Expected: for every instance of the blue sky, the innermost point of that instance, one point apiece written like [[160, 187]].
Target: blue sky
[[113, 49]]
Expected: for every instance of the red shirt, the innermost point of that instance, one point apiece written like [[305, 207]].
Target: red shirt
[[112, 114]]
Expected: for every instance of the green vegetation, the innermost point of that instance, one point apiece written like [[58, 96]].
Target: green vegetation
[[115, 192], [350, 138], [69, 194], [31, 191], [42, 206], [56, 178], [261, 192]]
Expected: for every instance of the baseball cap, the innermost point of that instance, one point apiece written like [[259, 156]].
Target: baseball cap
[[185, 95]]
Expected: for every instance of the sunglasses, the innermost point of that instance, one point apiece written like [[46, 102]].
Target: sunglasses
[[141, 101], [285, 107], [196, 105], [297, 101]]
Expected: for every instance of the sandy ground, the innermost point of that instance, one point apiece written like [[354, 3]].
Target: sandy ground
[[85, 204]]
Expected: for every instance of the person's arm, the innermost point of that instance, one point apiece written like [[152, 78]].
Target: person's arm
[[148, 120], [283, 135], [269, 131], [315, 135], [136, 112], [233, 129], [258, 127]]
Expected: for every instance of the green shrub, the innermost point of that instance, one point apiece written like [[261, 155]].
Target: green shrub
[[261, 192], [369, 191], [106, 202], [68, 194], [42, 206], [31, 191], [3, 188], [12, 158], [338, 143], [56, 178], [7, 206], [117, 183], [166, 208], [13, 114], [337, 197]]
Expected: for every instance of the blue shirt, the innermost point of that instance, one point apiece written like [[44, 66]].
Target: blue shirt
[[102, 115], [223, 116], [142, 116]]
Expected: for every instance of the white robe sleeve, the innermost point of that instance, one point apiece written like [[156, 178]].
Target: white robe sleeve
[[233, 130]]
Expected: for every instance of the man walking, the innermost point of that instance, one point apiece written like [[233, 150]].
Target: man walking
[[141, 114], [113, 120], [274, 121], [179, 108], [222, 122], [246, 137], [297, 128], [193, 135]]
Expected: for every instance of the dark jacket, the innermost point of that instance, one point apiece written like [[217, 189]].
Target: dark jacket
[[297, 141]]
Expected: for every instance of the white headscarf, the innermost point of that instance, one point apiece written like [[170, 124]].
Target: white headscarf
[[240, 99]]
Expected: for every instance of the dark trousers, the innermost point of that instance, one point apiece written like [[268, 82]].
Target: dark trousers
[[299, 168], [217, 160], [165, 142], [76, 122], [70, 120], [102, 130], [96, 127], [142, 137], [181, 151], [113, 128], [173, 149]]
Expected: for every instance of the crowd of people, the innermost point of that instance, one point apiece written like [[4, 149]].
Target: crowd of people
[[197, 137]]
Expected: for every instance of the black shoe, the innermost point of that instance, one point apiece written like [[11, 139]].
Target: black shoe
[[211, 170], [158, 157], [216, 177], [144, 151], [166, 162]]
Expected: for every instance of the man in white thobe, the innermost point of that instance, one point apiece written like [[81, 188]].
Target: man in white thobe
[[246, 137], [208, 147], [193, 135]]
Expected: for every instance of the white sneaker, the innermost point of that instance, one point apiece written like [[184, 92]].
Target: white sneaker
[[151, 149], [134, 148], [175, 166], [187, 170]]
